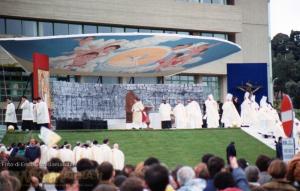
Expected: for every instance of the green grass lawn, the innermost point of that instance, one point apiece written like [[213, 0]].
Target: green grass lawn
[[172, 147]]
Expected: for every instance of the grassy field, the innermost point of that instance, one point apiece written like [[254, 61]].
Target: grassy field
[[172, 147]]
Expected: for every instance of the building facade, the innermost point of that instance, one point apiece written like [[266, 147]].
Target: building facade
[[241, 21]]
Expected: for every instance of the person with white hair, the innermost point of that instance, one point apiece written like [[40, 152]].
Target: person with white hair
[[230, 117], [118, 158], [180, 115], [194, 115], [187, 180], [212, 114]]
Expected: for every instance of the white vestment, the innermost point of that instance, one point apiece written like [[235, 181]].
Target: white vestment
[[77, 153], [118, 159], [10, 113], [230, 116], [86, 152], [42, 113], [67, 155], [97, 154], [246, 111], [212, 114], [27, 110], [53, 153], [137, 109], [194, 115], [44, 156], [165, 111], [180, 116], [107, 153]]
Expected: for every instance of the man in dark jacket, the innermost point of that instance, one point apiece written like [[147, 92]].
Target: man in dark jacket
[[230, 151]]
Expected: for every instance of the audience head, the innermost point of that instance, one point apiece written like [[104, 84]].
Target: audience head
[[67, 180], [223, 180], [106, 171], [185, 174], [201, 171], [88, 180], [293, 173], [128, 169], [242, 163], [277, 169], [151, 161], [105, 187], [55, 165], [132, 184], [262, 162], [215, 164], [119, 179], [84, 164], [252, 173], [157, 177], [206, 157]]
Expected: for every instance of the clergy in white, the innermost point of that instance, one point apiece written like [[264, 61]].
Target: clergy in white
[[27, 114], [165, 111], [246, 111], [77, 152], [66, 154], [97, 152], [43, 119], [118, 158], [107, 152], [230, 117], [137, 109], [180, 115], [212, 114], [194, 115], [10, 114]]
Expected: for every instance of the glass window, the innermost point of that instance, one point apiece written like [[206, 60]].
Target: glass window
[[89, 29], [61, 29], [211, 86], [131, 30], [170, 32], [206, 1], [180, 79], [207, 34], [110, 80], [219, 2], [29, 28], [117, 29], [221, 36], [157, 31], [144, 30], [75, 29], [195, 1], [45, 29], [142, 80], [183, 32], [104, 29], [2, 26], [13, 27]]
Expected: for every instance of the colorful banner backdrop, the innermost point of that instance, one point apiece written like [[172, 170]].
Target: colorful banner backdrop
[[121, 54]]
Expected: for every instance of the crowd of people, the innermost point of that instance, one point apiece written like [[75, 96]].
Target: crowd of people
[[32, 168], [35, 114], [214, 114]]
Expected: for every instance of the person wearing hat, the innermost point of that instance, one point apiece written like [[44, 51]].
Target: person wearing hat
[[27, 114], [165, 114], [10, 114]]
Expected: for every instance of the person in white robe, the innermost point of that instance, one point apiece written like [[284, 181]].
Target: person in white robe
[[255, 111], [118, 158], [86, 152], [230, 116], [27, 114], [106, 151], [44, 156], [97, 152], [165, 112], [42, 111], [10, 114], [53, 152], [77, 152], [212, 114], [194, 115], [137, 118], [66, 154], [246, 111], [180, 115]]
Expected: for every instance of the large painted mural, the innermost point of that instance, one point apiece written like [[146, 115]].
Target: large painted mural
[[121, 54]]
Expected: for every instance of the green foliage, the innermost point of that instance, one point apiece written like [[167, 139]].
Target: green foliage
[[286, 65], [172, 147]]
